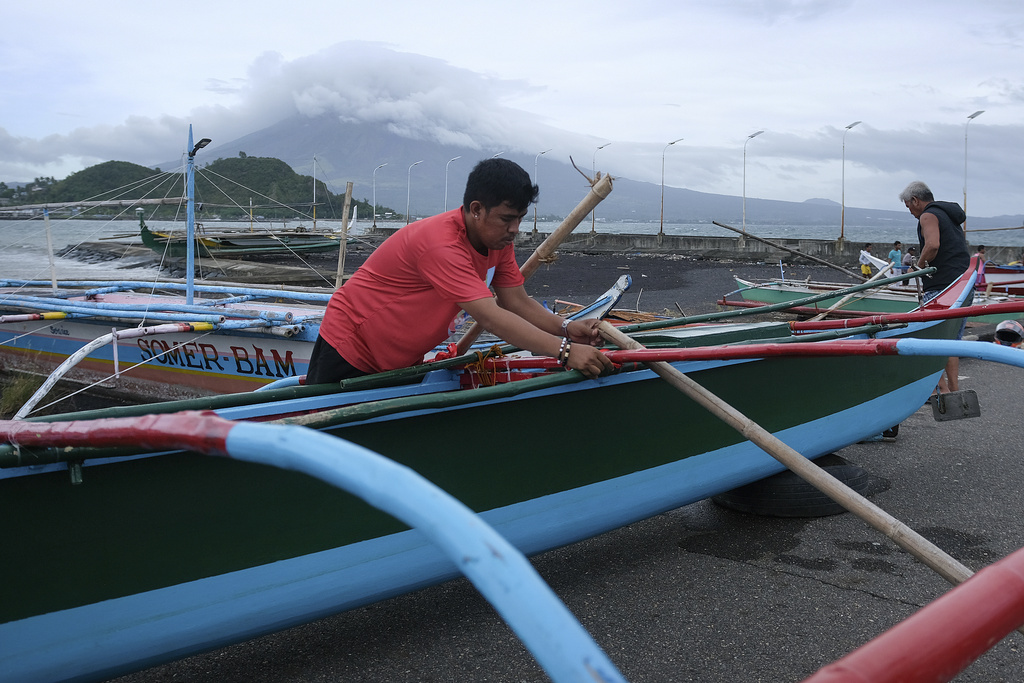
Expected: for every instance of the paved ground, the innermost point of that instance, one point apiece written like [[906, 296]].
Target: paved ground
[[703, 593]]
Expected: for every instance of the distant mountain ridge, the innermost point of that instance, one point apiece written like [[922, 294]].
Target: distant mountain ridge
[[350, 151]]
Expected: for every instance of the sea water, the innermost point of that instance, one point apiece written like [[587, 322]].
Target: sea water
[[24, 255]]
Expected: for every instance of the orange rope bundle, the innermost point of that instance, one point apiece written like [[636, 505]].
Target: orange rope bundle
[[480, 365]]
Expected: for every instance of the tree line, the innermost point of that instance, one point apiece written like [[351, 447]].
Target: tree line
[[225, 188]]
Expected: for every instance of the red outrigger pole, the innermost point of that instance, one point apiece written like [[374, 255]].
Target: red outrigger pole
[[944, 637], [918, 316]]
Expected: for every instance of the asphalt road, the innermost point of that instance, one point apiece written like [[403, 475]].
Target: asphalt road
[[702, 593]]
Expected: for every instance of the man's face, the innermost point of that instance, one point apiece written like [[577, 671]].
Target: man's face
[[494, 228], [915, 206]]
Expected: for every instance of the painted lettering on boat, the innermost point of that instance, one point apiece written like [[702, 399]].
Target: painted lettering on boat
[[206, 356], [59, 330], [186, 355], [257, 364]]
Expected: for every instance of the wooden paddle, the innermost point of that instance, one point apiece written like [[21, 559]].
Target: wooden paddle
[[599, 189], [908, 539]]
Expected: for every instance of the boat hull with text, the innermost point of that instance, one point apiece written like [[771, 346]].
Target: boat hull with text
[[275, 344]]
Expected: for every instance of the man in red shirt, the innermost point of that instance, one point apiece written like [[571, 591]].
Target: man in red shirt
[[399, 304]]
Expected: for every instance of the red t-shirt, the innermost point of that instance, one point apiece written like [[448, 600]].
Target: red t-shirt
[[398, 305]]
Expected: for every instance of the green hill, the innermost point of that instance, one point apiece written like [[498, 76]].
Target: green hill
[[225, 188]]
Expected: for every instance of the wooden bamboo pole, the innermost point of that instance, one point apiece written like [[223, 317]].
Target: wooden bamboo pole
[[599, 189], [339, 279], [791, 251], [905, 537]]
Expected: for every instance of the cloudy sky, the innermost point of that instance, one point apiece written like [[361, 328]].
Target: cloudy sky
[[84, 82]]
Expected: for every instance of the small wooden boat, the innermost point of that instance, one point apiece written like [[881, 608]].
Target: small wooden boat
[[136, 553], [1004, 279], [238, 243], [230, 339], [893, 298]]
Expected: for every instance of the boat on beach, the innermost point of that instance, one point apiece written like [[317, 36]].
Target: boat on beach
[[230, 339], [1004, 279], [175, 552], [239, 242], [891, 298]]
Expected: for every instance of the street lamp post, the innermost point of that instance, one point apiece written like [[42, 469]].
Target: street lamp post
[[190, 215], [969, 119], [408, 190], [374, 210], [749, 138], [661, 230], [842, 212], [593, 214], [535, 160], [446, 181]]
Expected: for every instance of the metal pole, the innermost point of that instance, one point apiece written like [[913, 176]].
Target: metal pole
[[969, 119], [408, 190], [375, 192], [190, 215], [593, 214], [661, 230], [842, 214], [749, 138], [446, 181], [535, 160]]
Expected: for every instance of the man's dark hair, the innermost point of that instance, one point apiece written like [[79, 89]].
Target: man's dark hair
[[493, 182]]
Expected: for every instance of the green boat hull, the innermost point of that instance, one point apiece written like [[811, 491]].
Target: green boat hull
[[136, 525]]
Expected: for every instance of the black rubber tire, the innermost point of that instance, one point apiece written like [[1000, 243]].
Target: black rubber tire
[[787, 495]]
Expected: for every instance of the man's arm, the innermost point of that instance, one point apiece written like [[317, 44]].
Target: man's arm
[[516, 299], [520, 330], [930, 233]]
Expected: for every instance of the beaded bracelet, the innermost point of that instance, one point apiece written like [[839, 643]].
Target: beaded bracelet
[[563, 352], [565, 328]]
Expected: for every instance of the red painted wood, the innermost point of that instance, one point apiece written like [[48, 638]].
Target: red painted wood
[[201, 431], [944, 637]]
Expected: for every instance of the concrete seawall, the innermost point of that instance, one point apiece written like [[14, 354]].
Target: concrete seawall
[[739, 248]]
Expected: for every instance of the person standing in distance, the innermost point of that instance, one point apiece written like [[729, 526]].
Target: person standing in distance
[[400, 303], [943, 245]]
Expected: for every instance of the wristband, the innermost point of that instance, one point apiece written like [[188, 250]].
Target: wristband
[[565, 328]]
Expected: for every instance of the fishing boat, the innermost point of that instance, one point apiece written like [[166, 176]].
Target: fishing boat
[[1004, 279], [153, 343], [889, 297], [239, 242], [173, 552]]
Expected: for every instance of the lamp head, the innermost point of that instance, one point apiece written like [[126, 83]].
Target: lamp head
[[199, 145]]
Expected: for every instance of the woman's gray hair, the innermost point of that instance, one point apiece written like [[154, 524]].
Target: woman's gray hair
[[919, 190]]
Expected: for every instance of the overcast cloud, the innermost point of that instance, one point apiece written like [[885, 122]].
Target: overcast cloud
[[82, 83]]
